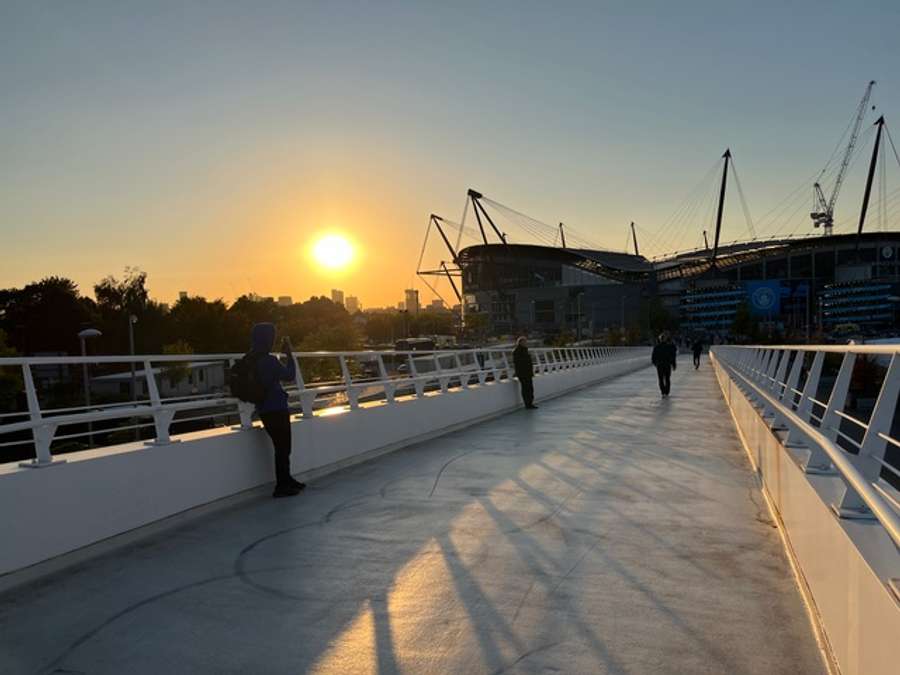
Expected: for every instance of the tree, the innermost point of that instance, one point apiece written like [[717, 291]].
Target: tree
[[117, 302], [45, 316], [179, 370], [10, 379], [201, 323]]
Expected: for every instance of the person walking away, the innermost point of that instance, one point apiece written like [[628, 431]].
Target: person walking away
[[273, 409], [663, 358], [697, 348], [524, 372]]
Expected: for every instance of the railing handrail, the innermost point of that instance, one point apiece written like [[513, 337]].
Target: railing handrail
[[885, 514], [441, 368], [226, 356], [887, 349], [764, 373]]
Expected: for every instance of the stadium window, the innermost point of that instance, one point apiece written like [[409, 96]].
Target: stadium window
[[801, 266], [776, 268], [200, 375], [825, 265], [544, 311], [124, 388], [751, 272], [847, 255], [867, 255]]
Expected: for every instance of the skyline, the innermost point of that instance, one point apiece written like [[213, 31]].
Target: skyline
[[211, 148]]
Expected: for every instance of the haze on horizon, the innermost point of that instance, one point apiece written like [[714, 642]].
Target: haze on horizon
[[211, 144]]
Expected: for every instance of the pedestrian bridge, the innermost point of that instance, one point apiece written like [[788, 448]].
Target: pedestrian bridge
[[608, 531]]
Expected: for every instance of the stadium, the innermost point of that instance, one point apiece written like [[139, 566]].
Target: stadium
[[798, 273]]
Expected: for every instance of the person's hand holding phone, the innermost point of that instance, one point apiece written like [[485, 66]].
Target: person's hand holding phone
[[286, 345]]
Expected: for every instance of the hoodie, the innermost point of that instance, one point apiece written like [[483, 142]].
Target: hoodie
[[270, 370]]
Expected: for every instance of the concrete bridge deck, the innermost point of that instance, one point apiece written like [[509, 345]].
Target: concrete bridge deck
[[609, 531]]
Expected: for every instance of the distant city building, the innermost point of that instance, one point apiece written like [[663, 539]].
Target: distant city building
[[401, 306], [337, 296], [437, 305], [182, 295], [285, 301], [352, 304], [412, 301]]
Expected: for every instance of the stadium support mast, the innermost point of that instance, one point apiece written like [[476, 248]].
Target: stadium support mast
[[824, 215], [634, 237], [868, 192], [562, 235], [474, 195], [727, 158], [436, 221]]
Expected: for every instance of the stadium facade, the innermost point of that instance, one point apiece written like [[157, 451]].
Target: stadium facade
[[796, 285]]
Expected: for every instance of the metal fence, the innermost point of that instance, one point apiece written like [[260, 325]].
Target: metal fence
[[839, 403], [149, 395]]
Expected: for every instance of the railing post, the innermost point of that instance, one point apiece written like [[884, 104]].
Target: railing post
[[386, 380], [352, 397], [443, 381], [307, 397], [414, 373], [43, 431], [872, 449], [506, 367], [838, 397], [463, 377], [162, 416]]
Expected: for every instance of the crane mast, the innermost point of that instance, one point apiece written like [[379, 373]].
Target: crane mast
[[824, 216]]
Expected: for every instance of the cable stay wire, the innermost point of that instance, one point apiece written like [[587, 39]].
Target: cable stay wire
[[743, 200], [462, 223], [687, 220], [546, 233], [694, 194]]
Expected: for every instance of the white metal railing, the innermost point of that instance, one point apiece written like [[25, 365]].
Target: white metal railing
[[784, 383], [361, 377]]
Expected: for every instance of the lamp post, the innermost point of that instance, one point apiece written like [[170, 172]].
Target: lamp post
[[83, 336], [132, 319]]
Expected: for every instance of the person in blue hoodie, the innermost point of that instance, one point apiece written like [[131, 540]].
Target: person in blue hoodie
[[273, 411]]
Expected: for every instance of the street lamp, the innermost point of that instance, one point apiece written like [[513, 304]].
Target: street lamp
[[83, 336], [132, 319]]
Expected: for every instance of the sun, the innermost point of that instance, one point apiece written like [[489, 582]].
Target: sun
[[333, 251]]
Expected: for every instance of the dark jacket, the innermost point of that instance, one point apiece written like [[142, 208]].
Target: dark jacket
[[270, 370], [697, 347], [522, 363], [664, 355]]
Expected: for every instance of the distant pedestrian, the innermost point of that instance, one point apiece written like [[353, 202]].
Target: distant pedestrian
[[664, 359], [697, 348], [273, 408], [524, 372]]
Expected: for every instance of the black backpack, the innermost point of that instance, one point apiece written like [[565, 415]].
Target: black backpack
[[244, 380]]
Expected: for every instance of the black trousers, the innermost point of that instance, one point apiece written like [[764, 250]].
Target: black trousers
[[664, 374], [527, 385], [696, 360], [278, 426]]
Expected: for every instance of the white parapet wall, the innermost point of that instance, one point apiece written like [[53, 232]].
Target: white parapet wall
[[846, 566], [101, 493]]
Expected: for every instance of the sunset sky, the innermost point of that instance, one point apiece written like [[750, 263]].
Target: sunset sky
[[211, 143]]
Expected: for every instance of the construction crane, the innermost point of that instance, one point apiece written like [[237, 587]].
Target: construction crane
[[823, 216]]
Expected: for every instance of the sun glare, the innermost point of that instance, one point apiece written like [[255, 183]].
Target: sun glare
[[333, 251]]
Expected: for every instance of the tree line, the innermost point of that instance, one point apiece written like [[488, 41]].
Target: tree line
[[44, 317]]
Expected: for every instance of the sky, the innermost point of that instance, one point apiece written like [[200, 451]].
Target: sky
[[211, 143]]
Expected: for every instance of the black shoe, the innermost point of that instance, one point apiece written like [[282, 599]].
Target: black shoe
[[288, 490], [297, 484], [531, 407]]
